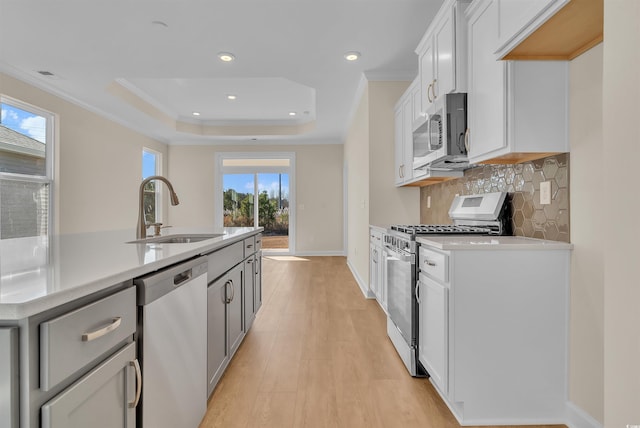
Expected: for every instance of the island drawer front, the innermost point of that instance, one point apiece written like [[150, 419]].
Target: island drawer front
[[434, 264], [222, 260], [259, 242], [249, 246], [74, 340]]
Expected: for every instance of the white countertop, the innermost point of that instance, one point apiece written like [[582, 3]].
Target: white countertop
[[40, 273], [471, 242]]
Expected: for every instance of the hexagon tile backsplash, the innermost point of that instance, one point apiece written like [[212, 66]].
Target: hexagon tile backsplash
[[522, 181]]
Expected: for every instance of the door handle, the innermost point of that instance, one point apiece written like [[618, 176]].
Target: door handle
[[433, 89], [136, 365], [466, 139], [417, 291], [428, 92]]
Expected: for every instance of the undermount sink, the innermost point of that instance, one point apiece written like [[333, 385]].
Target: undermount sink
[[176, 239]]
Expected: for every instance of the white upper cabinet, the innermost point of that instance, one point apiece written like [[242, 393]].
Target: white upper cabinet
[[517, 19], [404, 115], [517, 110], [442, 54]]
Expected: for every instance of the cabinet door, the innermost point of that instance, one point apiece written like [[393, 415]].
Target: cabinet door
[[217, 355], [516, 15], [9, 377], [427, 75], [487, 83], [373, 270], [407, 129], [99, 399], [444, 57], [248, 288], [234, 308], [399, 147], [257, 295], [433, 351]]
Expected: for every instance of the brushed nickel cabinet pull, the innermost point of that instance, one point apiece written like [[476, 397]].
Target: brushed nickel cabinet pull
[[417, 291], [136, 365], [433, 89], [466, 139], [115, 323], [429, 263]]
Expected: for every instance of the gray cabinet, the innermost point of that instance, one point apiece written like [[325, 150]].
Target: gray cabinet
[[9, 377], [248, 288], [224, 322], [257, 293], [105, 397]]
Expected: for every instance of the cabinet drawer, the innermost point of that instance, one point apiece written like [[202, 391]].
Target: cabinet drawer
[[72, 341], [434, 264], [249, 246], [258, 242], [224, 259]]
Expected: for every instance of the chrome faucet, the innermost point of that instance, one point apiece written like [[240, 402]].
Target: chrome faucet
[[141, 231]]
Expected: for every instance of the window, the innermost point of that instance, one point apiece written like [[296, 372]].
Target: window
[[151, 192], [257, 189], [26, 169]]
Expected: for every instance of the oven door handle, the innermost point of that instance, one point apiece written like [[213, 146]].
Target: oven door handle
[[396, 255]]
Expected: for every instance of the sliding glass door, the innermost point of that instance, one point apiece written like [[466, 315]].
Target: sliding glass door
[[257, 192]]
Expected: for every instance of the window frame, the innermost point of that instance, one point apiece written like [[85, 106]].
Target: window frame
[[50, 143], [158, 189]]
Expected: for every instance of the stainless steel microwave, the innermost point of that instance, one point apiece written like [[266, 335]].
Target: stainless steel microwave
[[439, 141]]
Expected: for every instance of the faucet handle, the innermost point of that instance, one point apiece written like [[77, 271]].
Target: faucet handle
[[156, 228]]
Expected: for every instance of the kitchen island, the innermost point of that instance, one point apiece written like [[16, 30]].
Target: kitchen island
[[69, 327]]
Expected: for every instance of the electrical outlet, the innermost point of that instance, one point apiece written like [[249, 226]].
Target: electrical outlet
[[545, 193], [429, 201]]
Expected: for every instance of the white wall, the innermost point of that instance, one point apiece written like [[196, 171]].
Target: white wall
[[621, 200], [586, 355], [318, 187], [98, 164]]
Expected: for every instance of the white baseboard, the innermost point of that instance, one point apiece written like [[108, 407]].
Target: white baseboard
[[578, 418], [363, 286], [320, 253]]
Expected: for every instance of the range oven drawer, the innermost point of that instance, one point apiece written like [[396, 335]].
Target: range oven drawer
[[434, 264]]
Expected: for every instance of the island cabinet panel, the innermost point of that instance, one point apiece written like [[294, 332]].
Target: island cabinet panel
[[9, 369]]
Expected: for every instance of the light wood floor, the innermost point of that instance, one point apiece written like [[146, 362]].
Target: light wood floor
[[318, 356]]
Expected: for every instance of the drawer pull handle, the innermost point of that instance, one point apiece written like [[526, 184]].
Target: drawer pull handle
[[258, 241], [182, 277], [249, 245], [115, 323], [429, 263], [136, 365]]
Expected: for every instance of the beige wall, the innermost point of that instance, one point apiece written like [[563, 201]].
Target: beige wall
[[621, 200], [318, 184], [356, 158], [389, 204], [586, 355], [369, 158], [98, 164]]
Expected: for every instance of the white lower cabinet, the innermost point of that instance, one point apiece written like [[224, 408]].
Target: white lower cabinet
[[493, 332], [433, 349], [105, 397]]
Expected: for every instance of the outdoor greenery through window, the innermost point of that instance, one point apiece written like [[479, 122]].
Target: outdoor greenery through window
[[151, 194], [26, 141]]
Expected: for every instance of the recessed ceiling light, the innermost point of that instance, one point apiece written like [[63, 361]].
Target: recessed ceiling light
[[196, 113], [352, 56], [231, 97], [292, 113], [226, 56]]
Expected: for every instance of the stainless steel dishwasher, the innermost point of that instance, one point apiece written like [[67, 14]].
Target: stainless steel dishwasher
[[173, 350]]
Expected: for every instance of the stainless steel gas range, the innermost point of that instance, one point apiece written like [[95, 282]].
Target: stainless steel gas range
[[486, 214]]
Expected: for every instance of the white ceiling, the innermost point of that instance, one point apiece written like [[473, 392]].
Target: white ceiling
[[110, 57]]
